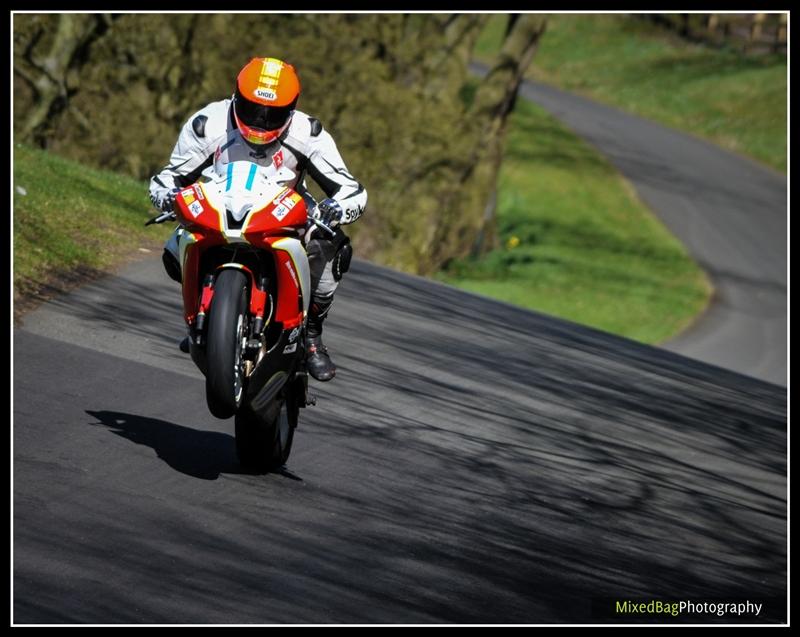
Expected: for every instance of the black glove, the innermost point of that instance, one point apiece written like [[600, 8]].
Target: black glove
[[329, 212]]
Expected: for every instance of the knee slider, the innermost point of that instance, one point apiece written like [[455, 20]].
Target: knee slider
[[341, 262], [171, 265]]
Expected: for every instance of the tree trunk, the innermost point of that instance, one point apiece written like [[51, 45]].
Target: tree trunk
[[53, 76], [494, 102], [446, 68]]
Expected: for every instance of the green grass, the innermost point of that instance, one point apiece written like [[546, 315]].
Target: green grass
[[737, 101], [74, 221], [578, 244]]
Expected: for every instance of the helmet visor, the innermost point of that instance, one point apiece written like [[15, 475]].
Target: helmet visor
[[260, 116], [258, 136]]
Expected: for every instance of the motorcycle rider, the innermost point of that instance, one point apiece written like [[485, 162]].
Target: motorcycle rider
[[260, 123]]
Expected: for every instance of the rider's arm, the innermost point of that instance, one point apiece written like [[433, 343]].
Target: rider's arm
[[193, 153], [327, 168]]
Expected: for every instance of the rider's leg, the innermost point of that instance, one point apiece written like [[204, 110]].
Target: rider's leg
[[329, 259], [171, 255]]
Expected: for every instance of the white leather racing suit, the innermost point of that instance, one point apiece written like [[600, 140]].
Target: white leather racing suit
[[210, 137]]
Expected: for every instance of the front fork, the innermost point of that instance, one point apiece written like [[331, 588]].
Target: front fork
[[206, 295], [261, 308]]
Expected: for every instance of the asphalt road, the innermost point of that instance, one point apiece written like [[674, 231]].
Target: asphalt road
[[729, 212], [471, 463]]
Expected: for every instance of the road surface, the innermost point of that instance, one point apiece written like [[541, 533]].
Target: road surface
[[472, 462]]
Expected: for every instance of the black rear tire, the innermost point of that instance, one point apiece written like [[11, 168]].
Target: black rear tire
[[227, 328], [263, 443]]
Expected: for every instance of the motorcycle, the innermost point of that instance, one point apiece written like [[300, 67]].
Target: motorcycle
[[246, 287]]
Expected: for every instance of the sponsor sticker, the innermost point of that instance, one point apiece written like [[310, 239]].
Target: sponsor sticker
[[196, 208], [280, 212], [294, 334], [277, 159], [289, 201], [266, 94], [188, 196], [290, 348], [198, 191], [277, 199]]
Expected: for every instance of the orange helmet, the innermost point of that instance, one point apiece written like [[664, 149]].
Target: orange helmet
[[266, 95]]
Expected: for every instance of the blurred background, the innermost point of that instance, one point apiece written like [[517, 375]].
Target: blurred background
[[467, 183]]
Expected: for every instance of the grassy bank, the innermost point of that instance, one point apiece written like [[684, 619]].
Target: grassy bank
[[736, 101], [72, 223], [577, 243]]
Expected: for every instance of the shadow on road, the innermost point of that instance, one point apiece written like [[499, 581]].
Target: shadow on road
[[199, 454]]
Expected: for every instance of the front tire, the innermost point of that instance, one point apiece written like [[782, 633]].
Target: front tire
[[227, 331]]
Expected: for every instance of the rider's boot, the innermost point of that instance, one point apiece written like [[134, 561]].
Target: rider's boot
[[318, 362]]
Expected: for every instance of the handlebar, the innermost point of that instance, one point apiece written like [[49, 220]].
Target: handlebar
[[164, 216]]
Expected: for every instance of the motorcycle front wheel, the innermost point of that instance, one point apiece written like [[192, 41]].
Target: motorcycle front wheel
[[226, 336]]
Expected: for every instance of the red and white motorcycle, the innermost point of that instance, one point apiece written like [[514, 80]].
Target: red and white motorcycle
[[246, 290]]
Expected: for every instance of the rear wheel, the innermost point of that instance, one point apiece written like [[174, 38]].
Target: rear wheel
[[227, 333], [263, 442]]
